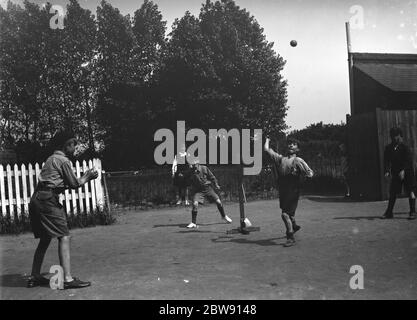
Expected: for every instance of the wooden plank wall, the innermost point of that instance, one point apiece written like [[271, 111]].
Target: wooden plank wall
[[363, 156], [386, 119]]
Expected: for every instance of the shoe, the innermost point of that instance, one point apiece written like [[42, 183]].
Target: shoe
[[412, 216], [290, 242], [290, 239], [179, 202], [76, 284], [37, 282], [192, 226], [296, 228], [227, 219]]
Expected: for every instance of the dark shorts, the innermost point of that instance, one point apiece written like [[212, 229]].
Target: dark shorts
[[180, 181], [289, 193], [207, 193], [47, 216], [397, 185]]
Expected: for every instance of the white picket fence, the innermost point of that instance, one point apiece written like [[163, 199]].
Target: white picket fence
[[18, 184]]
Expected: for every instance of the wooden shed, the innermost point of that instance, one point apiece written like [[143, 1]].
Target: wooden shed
[[383, 91]]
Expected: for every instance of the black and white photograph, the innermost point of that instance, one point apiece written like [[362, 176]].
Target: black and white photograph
[[208, 154]]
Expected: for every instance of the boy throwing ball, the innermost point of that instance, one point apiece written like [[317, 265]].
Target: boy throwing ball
[[290, 169], [202, 181], [47, 216]]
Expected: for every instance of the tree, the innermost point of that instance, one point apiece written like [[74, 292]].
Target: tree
[[24, 59], [126, 105], [188, 73], [44, 87], [149, 31], [321, 140], [220, 70], [247, 65], [79, 49], [115, 41]]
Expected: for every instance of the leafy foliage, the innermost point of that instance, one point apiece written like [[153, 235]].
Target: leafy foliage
[[116, 79], [321, 140]]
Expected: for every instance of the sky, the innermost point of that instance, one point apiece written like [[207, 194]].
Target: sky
[[316, 69]]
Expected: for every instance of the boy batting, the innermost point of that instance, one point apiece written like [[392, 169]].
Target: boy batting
[[203, 182], [47, 216], [290, 169]]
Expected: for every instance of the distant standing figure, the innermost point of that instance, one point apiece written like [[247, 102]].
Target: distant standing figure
[[398, 164], [180, 180], [345, 169]]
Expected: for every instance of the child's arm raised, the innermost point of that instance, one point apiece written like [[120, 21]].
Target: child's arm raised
[[275, 156], [174, 166]]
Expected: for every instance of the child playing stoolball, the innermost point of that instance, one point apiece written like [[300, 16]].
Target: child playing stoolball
[[290, 169], [47, 216], [203, 182]]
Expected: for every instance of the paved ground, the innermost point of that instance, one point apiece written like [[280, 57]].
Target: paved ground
[[150, 255]]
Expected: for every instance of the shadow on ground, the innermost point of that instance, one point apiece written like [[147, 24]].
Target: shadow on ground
[[184, 225], [374, 217], [180, 225], [13, 280], [262, 242], [16, 280], [341, 199], [198, 231]]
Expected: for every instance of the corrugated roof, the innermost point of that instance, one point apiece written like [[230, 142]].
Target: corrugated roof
[[397, 72]]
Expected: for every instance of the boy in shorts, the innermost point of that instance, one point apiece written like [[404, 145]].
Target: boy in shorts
[[290, 169], [202, 181], [47, 216]]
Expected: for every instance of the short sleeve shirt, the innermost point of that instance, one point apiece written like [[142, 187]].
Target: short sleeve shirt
[[57, 173], [286, 165]]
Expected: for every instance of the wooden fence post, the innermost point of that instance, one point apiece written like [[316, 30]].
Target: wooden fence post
[[2, 193], [10, 191], [17, 186]]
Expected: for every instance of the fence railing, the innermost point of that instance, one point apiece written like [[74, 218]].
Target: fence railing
[[18, 183], [155, 186]]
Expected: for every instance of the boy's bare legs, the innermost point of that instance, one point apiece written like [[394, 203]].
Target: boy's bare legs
[[39, 256], [221, 210], [290, 231], [391, 202], [193, 223], [36, 278], [65, 261], [288, 224], [179, 196], [412, 202], [295, 226], [347, 187], [187, 203], [64, 256]]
